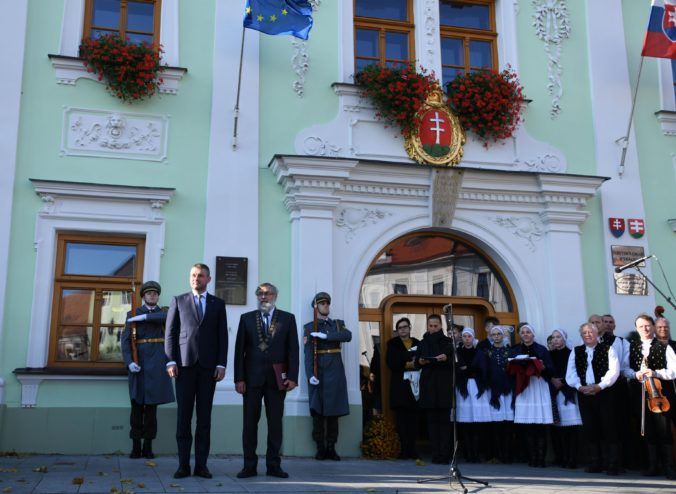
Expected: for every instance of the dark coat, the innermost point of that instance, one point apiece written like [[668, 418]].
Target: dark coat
[[152, 385], [535, 350], [436, 378], [189, 341], [329, 397], [401, 396], [253, 364]]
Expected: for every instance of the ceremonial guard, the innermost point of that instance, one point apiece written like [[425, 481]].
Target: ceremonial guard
[[327, 390], [143, 353]]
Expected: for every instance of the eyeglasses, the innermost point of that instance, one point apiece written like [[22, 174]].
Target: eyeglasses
[[264, 294]]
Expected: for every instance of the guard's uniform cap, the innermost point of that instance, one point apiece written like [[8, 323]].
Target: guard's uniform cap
[[321, 297], [149, 286]]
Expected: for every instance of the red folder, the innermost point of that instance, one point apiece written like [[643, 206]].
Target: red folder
[[280, 375]]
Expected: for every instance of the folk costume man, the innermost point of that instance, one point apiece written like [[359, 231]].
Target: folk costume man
[[592, 369], [149, 384], [197, 348], [266, 368], [327, 391], [649, 359]]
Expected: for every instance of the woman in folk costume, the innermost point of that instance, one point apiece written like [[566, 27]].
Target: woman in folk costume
[[531, 368], [649, 359], [472, 410], [494, 384], [400, 355], [567, 419]]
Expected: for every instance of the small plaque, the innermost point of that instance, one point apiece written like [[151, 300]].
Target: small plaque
[[231, 279], [624, 254], [630, 284]]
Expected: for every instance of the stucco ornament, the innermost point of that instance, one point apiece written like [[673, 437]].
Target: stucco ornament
[[547, 162], [316, 146], [353, 219], [552, 25], [115, 134], [300, 64], [522, 227]]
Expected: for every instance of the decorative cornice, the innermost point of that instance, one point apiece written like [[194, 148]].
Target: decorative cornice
[[51, 190], [552, 26], [69, 69]]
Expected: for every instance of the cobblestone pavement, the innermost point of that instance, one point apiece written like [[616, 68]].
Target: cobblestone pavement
[[42, 474]]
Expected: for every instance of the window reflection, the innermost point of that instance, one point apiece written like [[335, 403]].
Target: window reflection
[[428, 264], [100, 259]]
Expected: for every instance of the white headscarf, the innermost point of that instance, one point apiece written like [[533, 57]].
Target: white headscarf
[[564, 335], [505, 331], [471, 332]]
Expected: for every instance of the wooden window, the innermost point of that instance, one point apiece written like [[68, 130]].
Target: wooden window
[[383, 33], [137, 20], [468, 37], [92, 295]]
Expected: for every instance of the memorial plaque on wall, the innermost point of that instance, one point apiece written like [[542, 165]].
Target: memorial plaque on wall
[[231, 279], [624, 254], [630, 284]]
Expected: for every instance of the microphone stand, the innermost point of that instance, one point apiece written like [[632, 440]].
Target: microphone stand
[[668, 299], [454, 471]]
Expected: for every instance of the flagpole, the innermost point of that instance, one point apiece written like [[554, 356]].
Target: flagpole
[[239, 87], [625, 140]]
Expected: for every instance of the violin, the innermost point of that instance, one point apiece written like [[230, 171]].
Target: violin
[[657, 403]]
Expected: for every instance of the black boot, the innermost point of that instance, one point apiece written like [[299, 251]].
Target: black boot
[[148, 449], [668, 458], [532, 450], [571, 447], [653, 462], [594, 465], [331, 452], [613, 459], [321, 452], [541, 451], [135, 449]]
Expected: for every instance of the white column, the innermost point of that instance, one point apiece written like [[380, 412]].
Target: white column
[[611, 96], [231, 225]]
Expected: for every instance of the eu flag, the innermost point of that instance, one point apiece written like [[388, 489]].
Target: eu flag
[[279, 17]]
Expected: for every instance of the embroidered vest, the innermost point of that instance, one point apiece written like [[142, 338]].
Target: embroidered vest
[[599, 363], [657, 357]]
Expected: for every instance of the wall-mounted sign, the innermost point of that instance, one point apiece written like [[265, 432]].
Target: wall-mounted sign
[[624, 254], [630, 284], [231, 279], [616, 226], [636, 227]]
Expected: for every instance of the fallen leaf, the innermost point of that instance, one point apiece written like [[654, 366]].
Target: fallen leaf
[[174, 485], [101, 474], [114, 490], [8, 470], [77, 481], [142, 485], [42, 469], [419, 462], [126, 481], [150, 464], [7, 489]]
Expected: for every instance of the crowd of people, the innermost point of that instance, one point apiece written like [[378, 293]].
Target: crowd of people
[[530, 402]]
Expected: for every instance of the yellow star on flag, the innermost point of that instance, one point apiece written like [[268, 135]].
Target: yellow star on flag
[[284, 11], [273, 17], [248, 10], [259, 18]]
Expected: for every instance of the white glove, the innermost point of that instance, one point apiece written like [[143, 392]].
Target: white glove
[[314, 381], [317, 334], [134, 367], [142, 317]]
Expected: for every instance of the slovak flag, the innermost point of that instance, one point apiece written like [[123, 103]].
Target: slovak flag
[[660, 40]]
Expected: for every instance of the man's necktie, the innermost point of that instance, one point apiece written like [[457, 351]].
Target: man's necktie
[[200, 312], [266, 324]]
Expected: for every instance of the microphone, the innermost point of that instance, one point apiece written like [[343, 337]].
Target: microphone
[[633, 264]]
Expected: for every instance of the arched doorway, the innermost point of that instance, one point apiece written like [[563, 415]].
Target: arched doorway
[[417, 275]]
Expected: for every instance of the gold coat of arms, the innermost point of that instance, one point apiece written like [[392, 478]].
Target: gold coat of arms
[[438, 137]]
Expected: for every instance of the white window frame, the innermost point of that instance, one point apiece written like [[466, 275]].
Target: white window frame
[[84, 208], [667, 112]]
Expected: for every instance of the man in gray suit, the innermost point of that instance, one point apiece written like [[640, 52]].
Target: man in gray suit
[[266, 367], [197, 347]]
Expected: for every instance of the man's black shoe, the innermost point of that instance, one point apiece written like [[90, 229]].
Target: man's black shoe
[[245, 473], [182, 473], [277, 472], [202, 472]]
